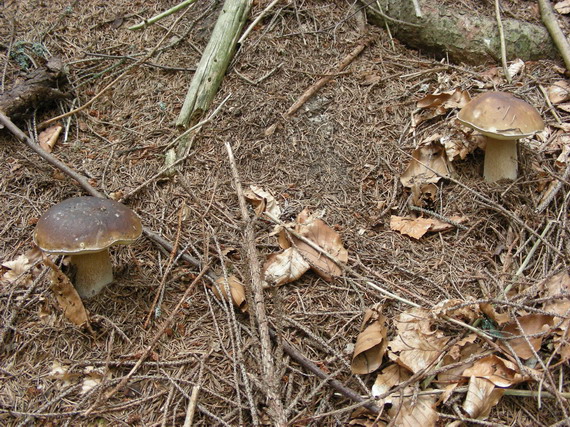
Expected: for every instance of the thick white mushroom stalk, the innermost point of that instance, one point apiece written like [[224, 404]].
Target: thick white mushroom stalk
[[501, 160], [93, 272]]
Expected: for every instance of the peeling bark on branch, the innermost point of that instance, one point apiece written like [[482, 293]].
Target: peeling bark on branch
[[460, 36]]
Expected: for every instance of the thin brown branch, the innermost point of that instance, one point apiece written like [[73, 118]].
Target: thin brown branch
[[160, 292], [323, 81], [51, 159], [268, 363]]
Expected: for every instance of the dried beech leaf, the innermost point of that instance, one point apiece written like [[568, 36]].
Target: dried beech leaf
[[62, 372], [440, 226], [489, 310], [481, 397], [424, 195], [410, 412], [457, 98], [458, 309], [413, 227], [417, 227], [389, 377], [530, 324], [362, 417], [318, 232], [564, 157], [237, 291], [435, 105], [461, 351], [370, 344], [559, 92], [430, 153], [564, 107], [92, 379], [515, 68], [557, 288], [263, 201], [417, 345], [497, 370], [459, 147], [48, 137], [21, 265], [563, 7], [447, 393], [66, 295], [284, 267]]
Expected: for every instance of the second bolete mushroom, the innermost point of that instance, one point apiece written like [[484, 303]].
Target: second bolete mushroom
[[503, 119], [85, 228]]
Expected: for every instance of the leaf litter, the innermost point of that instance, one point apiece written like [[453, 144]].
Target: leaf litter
[[313, 161]]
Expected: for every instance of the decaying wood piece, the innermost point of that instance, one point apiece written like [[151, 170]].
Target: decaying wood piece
[[215, 60], [40, 87], [461, 36]]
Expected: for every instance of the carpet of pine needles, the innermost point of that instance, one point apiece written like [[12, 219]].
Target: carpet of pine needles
[[342, 153]]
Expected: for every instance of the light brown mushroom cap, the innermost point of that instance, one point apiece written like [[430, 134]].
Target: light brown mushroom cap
[[82, 225], [500, 115]]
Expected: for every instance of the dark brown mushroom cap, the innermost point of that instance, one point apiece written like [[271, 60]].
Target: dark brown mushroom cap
[[86, 224], [500, 115]]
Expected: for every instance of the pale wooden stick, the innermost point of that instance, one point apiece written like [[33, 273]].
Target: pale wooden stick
[[162, 15], [556, 33], [191, 406], [502, 40], [214, 62], [256, 20]]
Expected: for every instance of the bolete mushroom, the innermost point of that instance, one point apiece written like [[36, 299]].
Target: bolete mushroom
[[503, 119], [85, 228]]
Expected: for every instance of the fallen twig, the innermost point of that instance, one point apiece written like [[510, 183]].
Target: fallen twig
[[191, 406], [502, 40], [324, 80], [554, 191], [162, 15], [160, 292], [268, 364], [256, 21], [337, 385], [438, 216], [17, 132], [556, 33]]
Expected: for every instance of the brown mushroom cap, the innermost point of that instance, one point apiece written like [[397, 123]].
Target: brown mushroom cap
[[500, 115], [83, 225]]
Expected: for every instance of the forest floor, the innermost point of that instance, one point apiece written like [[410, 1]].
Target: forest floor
[[341, 155]]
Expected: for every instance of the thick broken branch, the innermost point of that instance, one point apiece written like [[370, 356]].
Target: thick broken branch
[[214, 62], [461, 36]]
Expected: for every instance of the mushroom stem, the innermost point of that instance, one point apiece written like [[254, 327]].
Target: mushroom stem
[[94, 272], [500, 160]]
